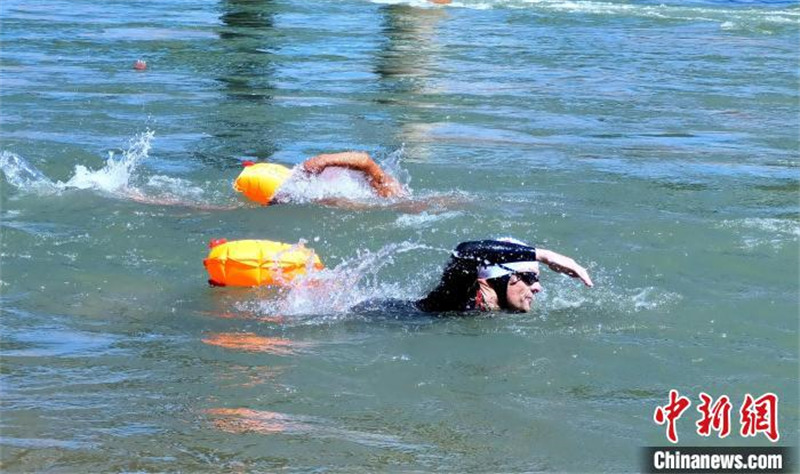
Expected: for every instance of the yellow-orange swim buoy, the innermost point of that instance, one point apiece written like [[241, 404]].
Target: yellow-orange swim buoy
[[260, 181], [258, 262]]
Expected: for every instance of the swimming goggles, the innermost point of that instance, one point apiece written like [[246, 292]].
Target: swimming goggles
[[529, 278]]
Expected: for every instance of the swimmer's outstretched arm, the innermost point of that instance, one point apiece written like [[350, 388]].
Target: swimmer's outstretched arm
[[563, 264], [383, 184], [501, 252]]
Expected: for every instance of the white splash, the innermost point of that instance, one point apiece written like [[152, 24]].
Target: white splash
[[115, 176], [334, 291], [331, 183], [339, 183], [22, 175], [391, 164]]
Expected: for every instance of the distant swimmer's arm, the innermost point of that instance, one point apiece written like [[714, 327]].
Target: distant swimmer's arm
[[383, 183], [563, 264]]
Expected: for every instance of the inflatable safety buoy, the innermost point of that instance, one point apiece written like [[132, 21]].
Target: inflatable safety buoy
[[260, 181], [258, 262]]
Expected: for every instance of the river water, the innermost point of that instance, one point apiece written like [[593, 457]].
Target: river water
[[654, 142]]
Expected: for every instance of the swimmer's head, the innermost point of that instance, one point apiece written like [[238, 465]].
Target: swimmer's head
[[260, 181], [515, 284]]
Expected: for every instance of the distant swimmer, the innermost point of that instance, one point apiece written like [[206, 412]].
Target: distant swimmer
[[261, 182], [490, 275]]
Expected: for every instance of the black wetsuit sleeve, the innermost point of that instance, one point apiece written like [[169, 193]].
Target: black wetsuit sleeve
[[457, 288]]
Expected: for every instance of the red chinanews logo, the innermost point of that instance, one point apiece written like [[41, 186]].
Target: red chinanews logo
[[759, 415]]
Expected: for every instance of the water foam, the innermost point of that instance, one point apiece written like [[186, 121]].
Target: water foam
[[22, 175], [605, 298], [753, 19], [116, 175], [332, 292], [332, 183], [424, 219], [174, 186], [339, 183], [116, 178], [758, 231]]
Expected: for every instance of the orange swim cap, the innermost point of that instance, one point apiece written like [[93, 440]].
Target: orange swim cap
[[260, 181]]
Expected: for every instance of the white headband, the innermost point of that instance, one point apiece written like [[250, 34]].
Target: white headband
[[494, 271], [512, 240]]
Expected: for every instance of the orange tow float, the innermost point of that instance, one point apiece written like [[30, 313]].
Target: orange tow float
[[260, 181], [258, 262]]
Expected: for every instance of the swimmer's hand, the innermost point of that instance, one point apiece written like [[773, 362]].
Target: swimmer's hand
[[563, 264], [383, 183]]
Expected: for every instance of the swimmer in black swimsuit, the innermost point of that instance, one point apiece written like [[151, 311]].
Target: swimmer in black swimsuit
[[495, 274]]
